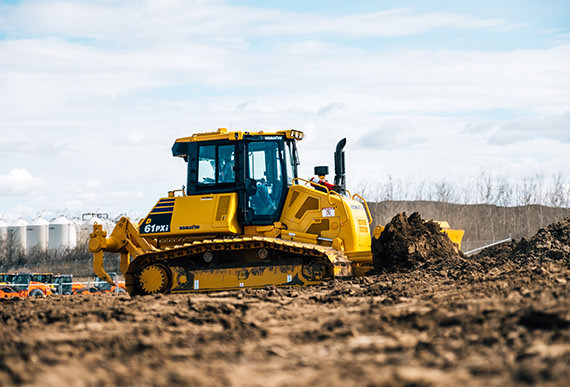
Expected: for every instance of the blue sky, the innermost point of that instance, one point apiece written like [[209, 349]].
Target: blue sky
[[93, 93]]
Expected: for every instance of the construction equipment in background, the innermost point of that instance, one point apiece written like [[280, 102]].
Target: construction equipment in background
[[23, 285], [100, 286], [63, 284], [45, 278], [244, 220], [6, 278]]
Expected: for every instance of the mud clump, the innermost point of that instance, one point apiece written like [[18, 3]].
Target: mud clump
[[410, 242]]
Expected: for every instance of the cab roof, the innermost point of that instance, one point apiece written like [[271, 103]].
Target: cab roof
[[224, 134]]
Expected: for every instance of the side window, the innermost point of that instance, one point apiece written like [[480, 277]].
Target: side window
[[226, 164], [216, 164], [207, 164]]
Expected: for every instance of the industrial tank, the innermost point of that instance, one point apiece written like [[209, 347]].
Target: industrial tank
[[3, 230], [17, 232], [37, 234], [75, 228], [88, 220], [62, 234], [87, 227]]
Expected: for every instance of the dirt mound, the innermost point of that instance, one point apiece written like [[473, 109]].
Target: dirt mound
[[551, 243], [411, 242]]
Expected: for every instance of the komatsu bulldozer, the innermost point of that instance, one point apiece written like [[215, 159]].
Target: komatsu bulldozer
[[244, 220]]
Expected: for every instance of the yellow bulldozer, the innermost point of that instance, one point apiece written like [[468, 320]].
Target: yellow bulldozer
[[244, 220]]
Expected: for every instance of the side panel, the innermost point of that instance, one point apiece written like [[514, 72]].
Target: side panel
[[329, 217], [193, 215]]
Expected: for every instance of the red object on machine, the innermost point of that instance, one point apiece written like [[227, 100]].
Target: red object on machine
[[322, 182]]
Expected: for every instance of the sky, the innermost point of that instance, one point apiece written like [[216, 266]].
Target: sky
[[94, 93]]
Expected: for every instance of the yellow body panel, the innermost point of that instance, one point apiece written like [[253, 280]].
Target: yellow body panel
[[212, 214], [326, 218]]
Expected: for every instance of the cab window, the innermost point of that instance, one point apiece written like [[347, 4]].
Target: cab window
[[207, 164], [216, 164], [226, 164]]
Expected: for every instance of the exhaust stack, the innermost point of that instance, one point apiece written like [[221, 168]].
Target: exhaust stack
[[339, 168]]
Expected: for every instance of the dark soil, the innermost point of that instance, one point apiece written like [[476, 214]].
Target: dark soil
[[434, 318], [411, 243]]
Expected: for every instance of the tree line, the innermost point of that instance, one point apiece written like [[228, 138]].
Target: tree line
[[487, 188], [77, 260]]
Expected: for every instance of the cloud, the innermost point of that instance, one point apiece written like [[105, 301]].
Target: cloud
[[28, 145], [94, 54], [526, 128], [391, 134], [18, 182], [327, 109], [136, 137], [100, 22]]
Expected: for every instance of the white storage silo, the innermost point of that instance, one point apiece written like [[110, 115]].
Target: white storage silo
[[87, 227], [3, 230], [108, 225], [74, 229], [17, 233], [62, 234], [37, 234]]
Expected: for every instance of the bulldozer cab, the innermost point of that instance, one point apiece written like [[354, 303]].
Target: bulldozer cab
[[21, 281], [258, 167]]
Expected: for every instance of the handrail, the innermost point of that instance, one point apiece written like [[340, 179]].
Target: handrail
[[328, 191], [172, 193], [368, 214]]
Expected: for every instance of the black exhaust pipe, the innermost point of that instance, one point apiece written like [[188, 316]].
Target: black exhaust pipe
[[339, 168]]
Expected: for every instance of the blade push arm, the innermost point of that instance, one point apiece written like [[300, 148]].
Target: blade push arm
[[124, 239]]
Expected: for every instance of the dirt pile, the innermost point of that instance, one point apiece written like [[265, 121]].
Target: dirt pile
[[410, 242], [549, 244]]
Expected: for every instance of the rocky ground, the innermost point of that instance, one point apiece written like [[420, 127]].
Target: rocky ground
[[425, 318]]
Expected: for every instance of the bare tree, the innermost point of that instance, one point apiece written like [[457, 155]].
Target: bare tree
[[13, 253], [557, 196], [444, 192]]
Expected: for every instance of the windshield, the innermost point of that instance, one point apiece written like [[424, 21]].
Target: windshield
[[102, 284], [21, 280]]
